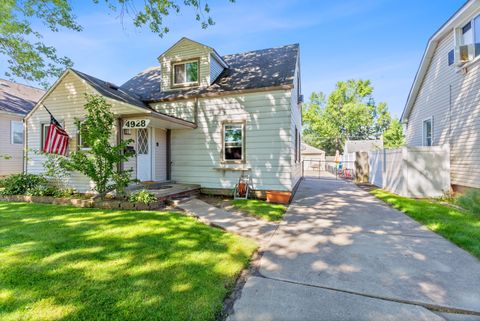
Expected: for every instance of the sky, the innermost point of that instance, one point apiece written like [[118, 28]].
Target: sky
[[380, 40]]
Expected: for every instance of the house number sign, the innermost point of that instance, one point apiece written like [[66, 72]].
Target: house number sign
[[136, 123]]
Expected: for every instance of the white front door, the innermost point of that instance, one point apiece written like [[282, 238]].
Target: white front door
[[144, 154]]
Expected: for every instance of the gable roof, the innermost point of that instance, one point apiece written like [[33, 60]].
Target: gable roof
[[17, 98], [266, 68], [352, 146], [460, 15], [111, 90], [183, 39], [307, 149]]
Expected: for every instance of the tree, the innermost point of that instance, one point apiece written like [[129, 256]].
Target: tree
[[100, 161], [350, 112], [29, 58], [393, 135]]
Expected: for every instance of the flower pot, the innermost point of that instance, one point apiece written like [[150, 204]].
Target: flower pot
[[278, 197]]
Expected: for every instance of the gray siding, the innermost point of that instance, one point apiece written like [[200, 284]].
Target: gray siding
[[452, 98], [215, 69], [14, 163]]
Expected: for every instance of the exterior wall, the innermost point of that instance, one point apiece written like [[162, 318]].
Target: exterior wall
[[160, 155], [65, 103], [296, 121], [14, 163], [412, 171], [452, 98], [184, 109], [215, 69], [196, 154], [185, 50], [131, 164]]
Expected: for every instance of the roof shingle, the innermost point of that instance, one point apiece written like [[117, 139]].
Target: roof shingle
[[18, 98]]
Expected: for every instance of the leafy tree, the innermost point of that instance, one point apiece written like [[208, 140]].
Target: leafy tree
[[349, 112], [100, 161], [31, 59], [393, 135]]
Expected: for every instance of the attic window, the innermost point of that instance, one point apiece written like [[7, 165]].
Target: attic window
[[185, 73], [468, 41]]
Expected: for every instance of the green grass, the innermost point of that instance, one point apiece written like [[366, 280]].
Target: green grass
[[66, 263], [458, 226], [262, 209]]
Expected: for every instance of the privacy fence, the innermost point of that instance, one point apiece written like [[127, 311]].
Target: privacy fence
[[411, 171]]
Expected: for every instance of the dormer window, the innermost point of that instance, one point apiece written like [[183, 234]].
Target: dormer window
[[468, 41], [185, 73]]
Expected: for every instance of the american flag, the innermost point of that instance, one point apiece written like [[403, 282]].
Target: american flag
[[56, 141]]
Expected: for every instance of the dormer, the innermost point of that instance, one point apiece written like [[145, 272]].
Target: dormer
[[189, 64]]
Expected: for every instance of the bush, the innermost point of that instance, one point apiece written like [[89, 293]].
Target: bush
[[470, 201], [142, 196], [42, 190], [20, 184]]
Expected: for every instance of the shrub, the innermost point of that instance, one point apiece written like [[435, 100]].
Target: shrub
[[65, 192], [142, 196], [42, 190], [470, 201], [19, 184]]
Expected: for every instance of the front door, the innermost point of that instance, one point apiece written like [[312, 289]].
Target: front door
[[144, 155]]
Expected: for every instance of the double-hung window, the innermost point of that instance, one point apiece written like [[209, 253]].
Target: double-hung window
[[44, 132], [16, 132], [234, 142], [428, 132], [467, 41], [185, 73]]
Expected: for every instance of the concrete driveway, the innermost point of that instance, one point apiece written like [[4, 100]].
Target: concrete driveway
[[341, 254]]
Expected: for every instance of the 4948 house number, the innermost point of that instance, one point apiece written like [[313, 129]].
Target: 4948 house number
[[136, 123]]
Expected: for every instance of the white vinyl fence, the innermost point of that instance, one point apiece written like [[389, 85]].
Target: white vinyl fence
[[412, 171]]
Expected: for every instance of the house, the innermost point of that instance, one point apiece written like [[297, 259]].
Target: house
[[353, 146], [16, 100], [313, 160], [443, 106], [198, 117]]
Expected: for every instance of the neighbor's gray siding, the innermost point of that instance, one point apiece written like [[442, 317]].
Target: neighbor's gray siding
[[444, 88], [14, 163], [296, 121], [215, 69], [196, 154]]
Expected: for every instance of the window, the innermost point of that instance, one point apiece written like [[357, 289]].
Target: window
[[468, 41], [233, 142], [16, 132], [185, 73], [428, 132], [296, 144], [44, 133]]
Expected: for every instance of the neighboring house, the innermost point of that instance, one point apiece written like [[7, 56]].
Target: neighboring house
[[209, 117], [16, 101], [313, 159], [353, 146], [443, 106]]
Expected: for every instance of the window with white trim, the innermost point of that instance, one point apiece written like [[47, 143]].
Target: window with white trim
[[233, 142], [185, 73], [16, 132], [467, 41], [44, 132], [428, 132]]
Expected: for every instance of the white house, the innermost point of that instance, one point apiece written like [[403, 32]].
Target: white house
[[16, 100], [443, 106], [207, 118]]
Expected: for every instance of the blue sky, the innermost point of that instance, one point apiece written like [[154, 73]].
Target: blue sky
[[380, 40]]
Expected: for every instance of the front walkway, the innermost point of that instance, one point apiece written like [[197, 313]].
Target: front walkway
[[341, 254]]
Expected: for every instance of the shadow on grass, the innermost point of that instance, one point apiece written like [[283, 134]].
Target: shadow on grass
[[64, 263]]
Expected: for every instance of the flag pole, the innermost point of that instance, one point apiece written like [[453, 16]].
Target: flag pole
[[53, 118]]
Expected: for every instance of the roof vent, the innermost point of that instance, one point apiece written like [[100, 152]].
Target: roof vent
[[110, 85]]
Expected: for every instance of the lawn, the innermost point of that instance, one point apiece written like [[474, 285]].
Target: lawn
[[261, 209], [66, 263], [458, 226]]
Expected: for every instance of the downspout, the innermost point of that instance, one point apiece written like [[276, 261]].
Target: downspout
[[25, 139]]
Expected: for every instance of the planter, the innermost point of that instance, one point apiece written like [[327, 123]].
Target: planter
[[278, 197]]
